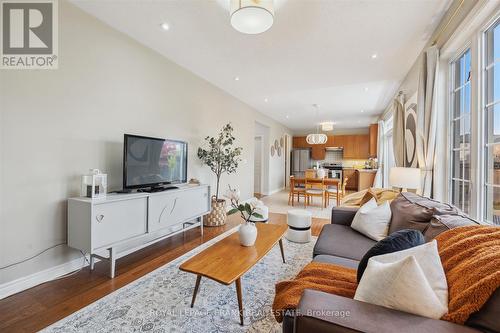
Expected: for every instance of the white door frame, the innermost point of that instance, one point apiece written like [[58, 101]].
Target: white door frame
[[261, 137]]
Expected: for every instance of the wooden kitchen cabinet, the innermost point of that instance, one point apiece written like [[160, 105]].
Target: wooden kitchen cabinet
[[355, 146], [318, 152], [373, 140], [300, 142]]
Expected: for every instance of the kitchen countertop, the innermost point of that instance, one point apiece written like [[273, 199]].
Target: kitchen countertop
[[360, 169]]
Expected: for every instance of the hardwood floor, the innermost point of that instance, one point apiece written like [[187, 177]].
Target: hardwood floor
[[38, 307]]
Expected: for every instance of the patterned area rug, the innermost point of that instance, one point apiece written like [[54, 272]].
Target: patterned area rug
[[160, 301]]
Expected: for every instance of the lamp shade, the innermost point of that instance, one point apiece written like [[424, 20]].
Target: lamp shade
[[408, 178], [252, 16]]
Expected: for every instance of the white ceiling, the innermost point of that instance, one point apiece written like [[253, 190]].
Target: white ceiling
[[317, 51]]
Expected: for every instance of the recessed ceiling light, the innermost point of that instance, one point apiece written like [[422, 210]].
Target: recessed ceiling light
[[366, 88], [165, 26], [362, 111], [236, 78], [374, 56], [266, 100], [287, 116]]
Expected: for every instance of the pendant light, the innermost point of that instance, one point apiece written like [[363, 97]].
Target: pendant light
[[252, 16], [316, 138]]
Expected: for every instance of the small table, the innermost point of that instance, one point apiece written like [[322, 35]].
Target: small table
[[226, 261]]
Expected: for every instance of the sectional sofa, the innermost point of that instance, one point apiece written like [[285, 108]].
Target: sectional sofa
[[339, 244]]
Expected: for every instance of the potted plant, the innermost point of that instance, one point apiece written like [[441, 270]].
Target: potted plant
[[247, 231], [222, 157]]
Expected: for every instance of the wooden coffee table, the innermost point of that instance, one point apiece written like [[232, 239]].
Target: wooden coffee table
[[226, 261]]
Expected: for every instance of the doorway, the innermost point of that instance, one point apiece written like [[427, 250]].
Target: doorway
[[257, 177]]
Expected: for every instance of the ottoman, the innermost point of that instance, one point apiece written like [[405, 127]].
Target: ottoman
[[299, 226]]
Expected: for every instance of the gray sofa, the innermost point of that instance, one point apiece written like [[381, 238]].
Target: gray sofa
[[339, 244]]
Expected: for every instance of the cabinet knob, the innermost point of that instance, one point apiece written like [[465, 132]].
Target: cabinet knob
[[99, 218]]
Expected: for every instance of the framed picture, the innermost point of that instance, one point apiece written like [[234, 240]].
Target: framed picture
[[410, 125]]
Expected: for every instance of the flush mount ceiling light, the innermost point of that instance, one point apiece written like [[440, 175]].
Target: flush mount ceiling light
[[326, 127], [165, 26], [316, 138], [252, 16]]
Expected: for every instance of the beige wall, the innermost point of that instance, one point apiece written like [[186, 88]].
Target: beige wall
[[56, 124]]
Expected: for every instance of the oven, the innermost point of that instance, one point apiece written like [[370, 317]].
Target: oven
[[334, 170]]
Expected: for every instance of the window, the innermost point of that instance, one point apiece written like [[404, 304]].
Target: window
[[492, 125], [461, 131]]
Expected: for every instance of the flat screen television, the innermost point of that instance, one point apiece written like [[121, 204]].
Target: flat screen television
[[152, 162]]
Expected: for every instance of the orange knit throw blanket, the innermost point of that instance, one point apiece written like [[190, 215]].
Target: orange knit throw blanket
[[329, 278], [471, 261]]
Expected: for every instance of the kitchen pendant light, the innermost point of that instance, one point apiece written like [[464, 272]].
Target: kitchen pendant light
[[316, 138], [252, 16]]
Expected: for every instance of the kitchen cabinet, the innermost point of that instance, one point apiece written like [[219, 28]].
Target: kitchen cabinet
[[356, 147], [300, 142], [373, 140], [318, 152]]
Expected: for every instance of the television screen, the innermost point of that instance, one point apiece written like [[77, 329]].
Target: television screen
[[151, 162]]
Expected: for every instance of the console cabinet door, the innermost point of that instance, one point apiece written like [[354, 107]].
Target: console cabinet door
[[117, 221], [170, 208]]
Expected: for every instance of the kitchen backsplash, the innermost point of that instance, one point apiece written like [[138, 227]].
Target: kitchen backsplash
[[333, 156], [337, 156]]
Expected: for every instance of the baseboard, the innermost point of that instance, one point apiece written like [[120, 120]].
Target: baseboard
[[275, 191], [32, 280]]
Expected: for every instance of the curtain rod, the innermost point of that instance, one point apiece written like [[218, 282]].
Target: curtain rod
[[448, 23]]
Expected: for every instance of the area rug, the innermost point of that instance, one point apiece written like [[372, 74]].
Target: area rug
[[160, 301]]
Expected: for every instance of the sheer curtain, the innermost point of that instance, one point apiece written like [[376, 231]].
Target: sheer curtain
[[379, 177]]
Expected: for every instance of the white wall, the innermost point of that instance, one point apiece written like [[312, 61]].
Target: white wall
[[56, 124]]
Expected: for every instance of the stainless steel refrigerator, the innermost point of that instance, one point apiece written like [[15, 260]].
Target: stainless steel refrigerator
[[301, 160]]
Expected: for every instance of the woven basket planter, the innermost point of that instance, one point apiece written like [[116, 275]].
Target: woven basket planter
[[217, 216]]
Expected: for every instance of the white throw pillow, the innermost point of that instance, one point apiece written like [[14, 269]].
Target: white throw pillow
[[372, 220], [411, 280]]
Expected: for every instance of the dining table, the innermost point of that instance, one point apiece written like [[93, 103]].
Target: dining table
[[326, 181]]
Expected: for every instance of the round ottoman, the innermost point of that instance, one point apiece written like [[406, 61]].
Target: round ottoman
[[299, 226]]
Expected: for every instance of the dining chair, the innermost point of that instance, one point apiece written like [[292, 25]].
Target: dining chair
[[314, 188], [310, 173], [335, 192], [295, 190]]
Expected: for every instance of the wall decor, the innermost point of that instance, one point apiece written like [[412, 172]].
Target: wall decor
[[282, 142], [410, 125], [272, 150], [279, 151], [276, 144]]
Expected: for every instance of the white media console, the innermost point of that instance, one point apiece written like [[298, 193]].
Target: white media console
[[124, 223]]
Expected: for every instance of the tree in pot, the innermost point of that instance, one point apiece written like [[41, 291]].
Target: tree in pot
[[222, 157]]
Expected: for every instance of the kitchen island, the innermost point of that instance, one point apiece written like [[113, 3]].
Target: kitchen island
[[359, 179]]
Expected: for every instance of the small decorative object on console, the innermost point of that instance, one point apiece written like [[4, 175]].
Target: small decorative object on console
[[247, 231], [94, 185]]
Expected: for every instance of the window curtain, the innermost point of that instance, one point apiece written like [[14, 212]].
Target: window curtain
[[398, 132], [427, 118], [379, 177]]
